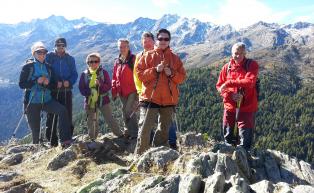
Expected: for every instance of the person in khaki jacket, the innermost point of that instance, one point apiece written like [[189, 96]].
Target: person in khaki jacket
[[160, 71]]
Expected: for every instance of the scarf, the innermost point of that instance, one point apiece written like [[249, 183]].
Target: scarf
[[93, 98]]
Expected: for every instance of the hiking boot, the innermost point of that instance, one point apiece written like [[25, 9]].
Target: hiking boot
[[173, 146], [66, 144]]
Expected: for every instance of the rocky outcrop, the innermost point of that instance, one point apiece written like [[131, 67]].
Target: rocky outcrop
[[197, 168], [12, 159], [61, 160]]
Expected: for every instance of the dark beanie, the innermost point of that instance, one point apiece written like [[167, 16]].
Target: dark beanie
[[61, 41]]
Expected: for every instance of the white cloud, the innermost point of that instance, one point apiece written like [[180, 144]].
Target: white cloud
[[163, 4], [242, 13], [204, 17], [303, 18]]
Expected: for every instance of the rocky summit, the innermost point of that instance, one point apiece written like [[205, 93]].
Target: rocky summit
[[108, 165]]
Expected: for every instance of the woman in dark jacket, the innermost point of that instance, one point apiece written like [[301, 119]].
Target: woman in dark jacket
[[95, 85], [36, 78]]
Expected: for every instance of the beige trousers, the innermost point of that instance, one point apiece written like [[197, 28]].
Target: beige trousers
[[148, 117], [129, 105], [92, 121]]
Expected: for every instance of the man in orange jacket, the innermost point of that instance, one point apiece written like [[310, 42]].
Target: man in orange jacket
[[160, 71], [237, 85]]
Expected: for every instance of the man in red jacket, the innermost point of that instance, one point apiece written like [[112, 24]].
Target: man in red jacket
[[123, 86], [237, 86]]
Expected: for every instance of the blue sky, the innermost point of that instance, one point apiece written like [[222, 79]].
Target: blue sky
[[238, 13]]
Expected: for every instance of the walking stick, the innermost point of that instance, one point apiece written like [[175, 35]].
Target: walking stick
[[235, 129], [53, 120], [20, 121], [42, 114]]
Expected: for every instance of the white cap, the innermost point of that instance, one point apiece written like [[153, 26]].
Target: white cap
[[38, 46]]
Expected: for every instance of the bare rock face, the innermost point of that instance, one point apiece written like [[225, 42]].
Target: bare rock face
[[190, 183], [307, 172], [7, 176], [22, 148], [24, 188], [148, 183], [263, 186], [61, 160], [196, 163], [12, 159], [303, 189], [192, 139], [215, 183], [155, 158], [194, 169]]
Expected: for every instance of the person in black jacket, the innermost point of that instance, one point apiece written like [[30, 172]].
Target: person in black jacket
[[36, 79]]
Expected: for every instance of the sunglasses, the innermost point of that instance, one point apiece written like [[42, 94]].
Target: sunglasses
[[41, 52], [60, 45], [163, 39], [93, 62]]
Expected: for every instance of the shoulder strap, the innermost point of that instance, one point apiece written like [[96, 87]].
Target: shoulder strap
[[31, 68], [130, 61], [228, 68], [48, 67], [247, 64], [86, 76], [101, 74]]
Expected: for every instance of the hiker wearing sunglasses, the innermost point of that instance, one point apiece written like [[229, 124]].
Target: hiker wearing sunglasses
[[37, 79], [237, 86], [95, 85], [148, 43], [63, 66], [160, 71], [123, 87]]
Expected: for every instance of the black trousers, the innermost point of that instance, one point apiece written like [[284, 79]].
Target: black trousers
[[64, 97], [33, 119]]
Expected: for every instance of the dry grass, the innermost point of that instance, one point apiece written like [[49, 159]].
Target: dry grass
[[62, 180]]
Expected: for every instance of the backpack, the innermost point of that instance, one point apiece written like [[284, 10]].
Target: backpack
[[129, 62], [87, 76], [31, 62], [31, 68], [246, 67]]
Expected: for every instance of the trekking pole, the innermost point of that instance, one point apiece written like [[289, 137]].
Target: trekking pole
[[42, 114], [133, 112], [235, 130], [20, 121], [65, 95], [96, 117], [151, 97], [53, 120], [176, 120]]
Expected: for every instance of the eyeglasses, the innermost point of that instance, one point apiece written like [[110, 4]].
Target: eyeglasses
[[60, 45], [163, 39], [93, 62], [41, 52]]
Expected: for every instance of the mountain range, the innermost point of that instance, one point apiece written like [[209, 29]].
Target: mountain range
[[199, 44]]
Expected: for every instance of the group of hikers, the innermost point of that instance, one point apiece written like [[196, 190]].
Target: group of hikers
[[148, 81]]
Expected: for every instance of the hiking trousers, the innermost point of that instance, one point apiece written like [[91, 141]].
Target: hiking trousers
[[246, 125], [92, 121], [65, 98], [33, 119], [147, 120], [129, 104]]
